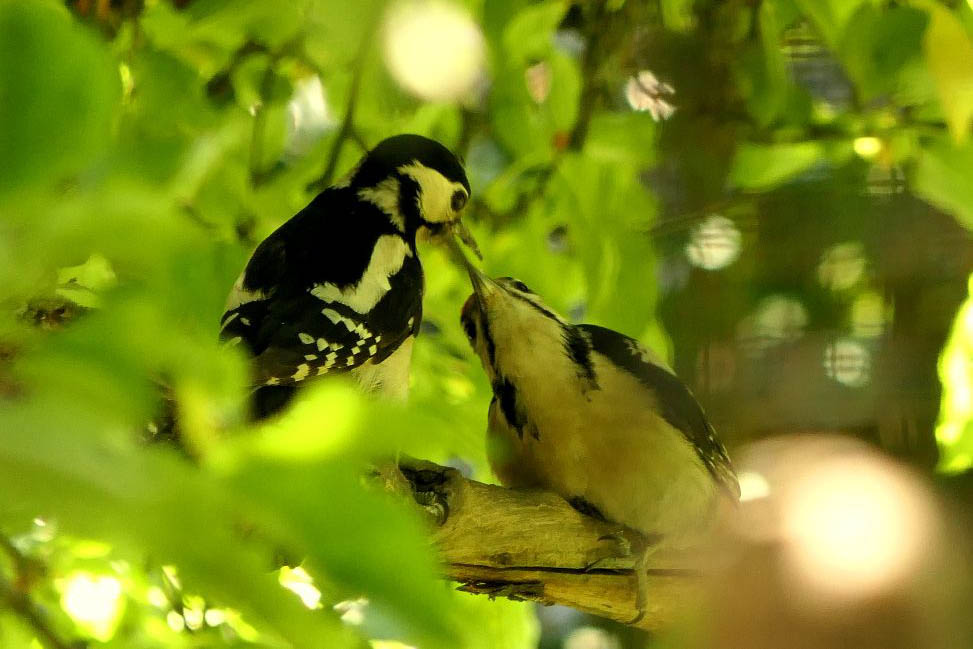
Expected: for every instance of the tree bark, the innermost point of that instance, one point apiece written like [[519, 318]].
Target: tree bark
[[533, 545]]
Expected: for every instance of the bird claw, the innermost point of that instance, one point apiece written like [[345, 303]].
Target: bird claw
[[427, 483]]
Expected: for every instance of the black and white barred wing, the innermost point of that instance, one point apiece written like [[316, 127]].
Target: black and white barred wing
[[677, 404], [300, 337]]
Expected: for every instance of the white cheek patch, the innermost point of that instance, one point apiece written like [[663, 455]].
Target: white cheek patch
[[385, 196], [435, 192], [387, 258]]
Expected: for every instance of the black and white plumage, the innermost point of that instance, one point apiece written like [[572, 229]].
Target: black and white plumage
[[338, 287], [589, 413]]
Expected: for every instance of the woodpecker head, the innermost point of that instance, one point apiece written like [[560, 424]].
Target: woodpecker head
[[507, 323], [418, 183]]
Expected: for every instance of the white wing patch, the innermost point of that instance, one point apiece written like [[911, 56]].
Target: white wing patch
[[350, 325], [385, 196], [435, 192], [387, 258], [302, 371], [239, 295]]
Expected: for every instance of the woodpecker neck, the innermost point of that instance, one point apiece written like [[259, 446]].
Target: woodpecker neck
[[396, 197], [522, 336]]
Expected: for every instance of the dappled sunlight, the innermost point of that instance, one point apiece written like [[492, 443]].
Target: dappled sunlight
[[299, 582]]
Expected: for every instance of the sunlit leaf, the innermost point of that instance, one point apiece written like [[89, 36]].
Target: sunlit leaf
[[954, 431], [940, 177], [764, 166], [949, 54]]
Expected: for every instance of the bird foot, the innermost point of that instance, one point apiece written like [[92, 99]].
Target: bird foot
[[428, 483]]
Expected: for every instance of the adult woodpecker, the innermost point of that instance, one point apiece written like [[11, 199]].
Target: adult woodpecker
[[338, 287], [592, 415]]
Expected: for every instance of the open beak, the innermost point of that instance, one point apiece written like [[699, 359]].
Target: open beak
[[460, 230]]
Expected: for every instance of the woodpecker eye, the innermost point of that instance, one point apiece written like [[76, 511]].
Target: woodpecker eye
[[458, 201], [469, 328], [517, 284]]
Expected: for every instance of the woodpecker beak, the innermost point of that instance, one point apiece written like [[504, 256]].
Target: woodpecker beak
[[482, 285], [460, 230]]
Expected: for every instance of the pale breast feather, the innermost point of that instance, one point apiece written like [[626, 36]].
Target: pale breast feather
[[677, 404]]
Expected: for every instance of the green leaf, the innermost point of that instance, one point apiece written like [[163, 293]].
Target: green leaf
[[877, 46], [949, 55], [58, 91], [830, 16], [941, 176], [529, 35], [622, 137], [758, 167], [678, 15], [58, 462]]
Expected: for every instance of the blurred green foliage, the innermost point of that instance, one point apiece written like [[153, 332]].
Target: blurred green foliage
[[148, 145]]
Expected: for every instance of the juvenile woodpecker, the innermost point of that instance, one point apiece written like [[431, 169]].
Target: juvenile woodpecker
[[338, 287], [592, 415]]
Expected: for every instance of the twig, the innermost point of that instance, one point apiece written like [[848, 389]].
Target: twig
[[290, 48], [534, 546], [347, 128]]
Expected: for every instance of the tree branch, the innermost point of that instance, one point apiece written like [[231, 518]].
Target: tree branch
[[532, 545]]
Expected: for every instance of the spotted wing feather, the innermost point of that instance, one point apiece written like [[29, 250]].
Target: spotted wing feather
[[293, 334]]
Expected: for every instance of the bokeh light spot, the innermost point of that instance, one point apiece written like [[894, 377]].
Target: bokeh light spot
[[855, 525], [869, 314], [352, 611], [842, 266], [590, 637], [94, 602], [752, 486], [433, 48], [848, 362], [175, 621], [309, 116], [777, 319], [714, 243], [867, 147]]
